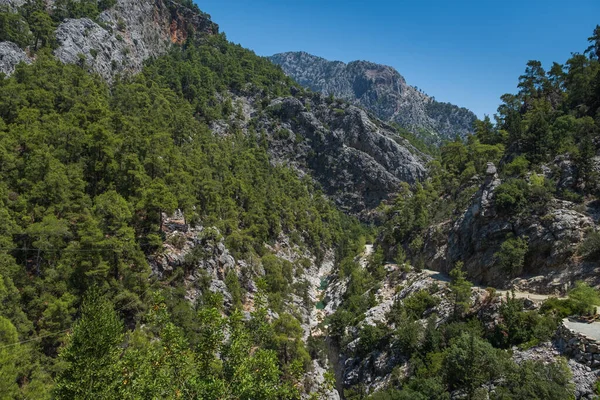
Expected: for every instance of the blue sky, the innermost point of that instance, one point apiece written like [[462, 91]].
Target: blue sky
[[466, 52]]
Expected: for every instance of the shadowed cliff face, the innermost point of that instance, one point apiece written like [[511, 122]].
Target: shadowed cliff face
[[359, 161], [553, 233], [382, 90]]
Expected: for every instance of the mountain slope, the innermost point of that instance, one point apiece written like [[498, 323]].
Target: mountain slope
[[166, 198], [172, 224], [118, 40], [514, 207], [381, 90]]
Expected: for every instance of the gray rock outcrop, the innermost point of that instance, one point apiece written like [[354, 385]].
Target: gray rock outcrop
[[120, 39], [128, 34], [381, 90], [10, 56], [200, 255], [12, 4], [358, 160], [475, 237]]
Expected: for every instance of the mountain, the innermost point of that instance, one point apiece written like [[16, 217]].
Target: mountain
[[368, 158], [115, 40], [381, 90], [180, 219], [170, 203]]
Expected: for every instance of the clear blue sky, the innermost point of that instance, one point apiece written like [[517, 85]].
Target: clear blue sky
[[466, 52]]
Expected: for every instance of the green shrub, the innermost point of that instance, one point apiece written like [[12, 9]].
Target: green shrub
[[234, 288], [282, 134], [520, 327], [517, 167], [406, 338], [400, 257], [569, 195], [540, 189], [338, 322], [376, 264], [511, 256], [590, 247], [347, 266], [470, 362], [531, 379], [177, 240], [14, 28], [583, 299], [278, 273], [511, 195], [419, 302], [560, 307], [371, 338]]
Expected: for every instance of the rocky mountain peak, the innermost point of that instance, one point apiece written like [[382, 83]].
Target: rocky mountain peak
[[382, 90]]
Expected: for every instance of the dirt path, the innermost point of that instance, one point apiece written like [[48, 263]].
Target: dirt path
[[590, 330], [536, 297]]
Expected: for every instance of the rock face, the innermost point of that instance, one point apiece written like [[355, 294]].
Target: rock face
[[552, 233], [381, 90], [128, 34], [12, 4], [10, 56], [200, 255], [357, 159], [121, 39]]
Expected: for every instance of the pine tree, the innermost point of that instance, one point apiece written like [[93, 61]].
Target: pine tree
[[92, 352]]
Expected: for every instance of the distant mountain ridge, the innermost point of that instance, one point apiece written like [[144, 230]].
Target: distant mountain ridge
[[383, 91]]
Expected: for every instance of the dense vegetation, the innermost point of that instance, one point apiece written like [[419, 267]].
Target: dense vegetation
[[87, 172], [555, 116], [462, 353]]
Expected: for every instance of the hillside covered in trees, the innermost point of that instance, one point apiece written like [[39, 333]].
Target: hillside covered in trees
[[514, 206], [88, 172], [179, 220]]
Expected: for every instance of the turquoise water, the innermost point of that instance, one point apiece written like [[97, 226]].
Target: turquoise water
[[324, 283]]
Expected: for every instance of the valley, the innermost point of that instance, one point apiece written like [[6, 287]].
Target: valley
[[182, 218]]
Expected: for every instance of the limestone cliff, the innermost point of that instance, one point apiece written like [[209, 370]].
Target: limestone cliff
[[128, 34], [381, 90]]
